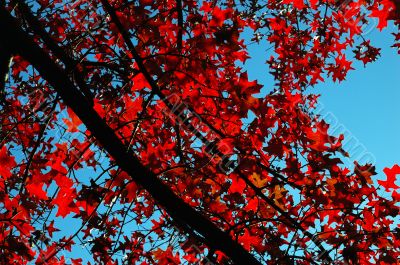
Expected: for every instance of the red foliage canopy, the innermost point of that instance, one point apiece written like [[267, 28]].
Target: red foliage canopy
[[132, 129]]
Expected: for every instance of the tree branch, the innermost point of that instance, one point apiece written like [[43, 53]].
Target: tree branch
[[180, 24], [58, 79], [156, 89]]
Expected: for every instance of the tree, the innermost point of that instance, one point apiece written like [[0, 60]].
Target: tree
[[129, 118]]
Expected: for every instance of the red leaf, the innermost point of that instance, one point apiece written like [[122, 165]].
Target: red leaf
[[50, 228], [382, 14], [36, 189], [7, 163], [391, 173], [299, 4], [74, 123], [238, 185]]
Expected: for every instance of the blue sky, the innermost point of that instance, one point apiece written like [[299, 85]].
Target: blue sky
[[365, 105]]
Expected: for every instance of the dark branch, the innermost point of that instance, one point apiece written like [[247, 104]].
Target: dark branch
[[180, 24], [70, 63], [179, 210], [156, 89]]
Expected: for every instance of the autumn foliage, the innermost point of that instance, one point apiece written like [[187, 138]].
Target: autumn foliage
[[167, 80]]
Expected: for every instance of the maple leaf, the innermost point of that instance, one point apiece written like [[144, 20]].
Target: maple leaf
[[7, 163], [382, 14], [19, 65], [36, 189], [257, 181], [50, 228], [219, 16], [299, 4], [365, 172], [391, 174], [65, 199], [319, 137], [278, 194], [218, 206], [238, 185], [366, 53], [275, 147], [74, 123], [165, 257], [249, 240], [252, 205], [331, 185], [206, 7]]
